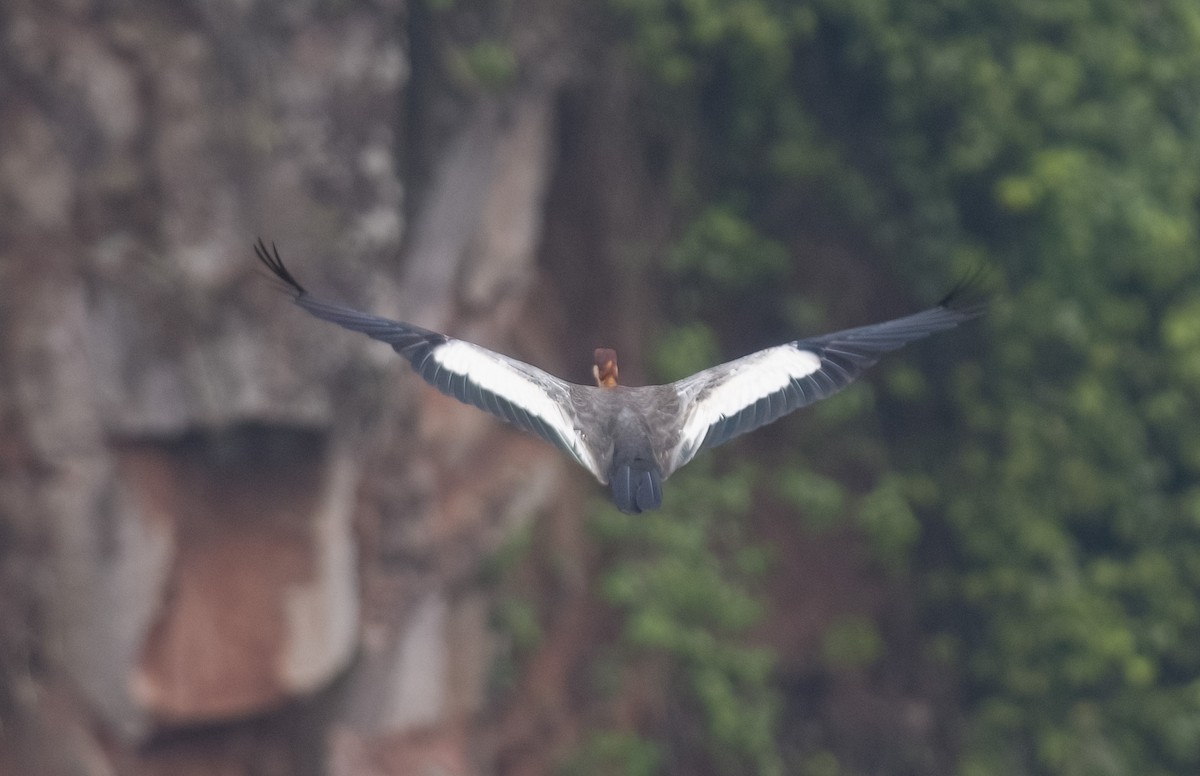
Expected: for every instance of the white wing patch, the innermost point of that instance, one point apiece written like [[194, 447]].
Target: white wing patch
[[738, 385], [523, 386]]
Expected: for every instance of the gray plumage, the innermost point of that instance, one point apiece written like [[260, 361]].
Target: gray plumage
[[634, 438]]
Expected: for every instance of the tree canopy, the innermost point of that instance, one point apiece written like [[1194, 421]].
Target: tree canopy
[[1041, 491]]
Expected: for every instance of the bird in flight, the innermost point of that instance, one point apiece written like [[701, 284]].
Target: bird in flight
[[633, 438]]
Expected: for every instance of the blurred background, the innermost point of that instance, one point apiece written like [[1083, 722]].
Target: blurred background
[[237, 540]]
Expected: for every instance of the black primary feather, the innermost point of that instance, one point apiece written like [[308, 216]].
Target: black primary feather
[[273, 262]]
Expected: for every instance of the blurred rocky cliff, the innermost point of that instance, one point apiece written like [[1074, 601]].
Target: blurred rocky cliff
[[233, 539]]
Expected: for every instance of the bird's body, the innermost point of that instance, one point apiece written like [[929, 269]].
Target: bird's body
[[633, 438]]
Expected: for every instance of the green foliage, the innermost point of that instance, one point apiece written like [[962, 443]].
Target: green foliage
[[516, 548], [607, 752], [489, 65], [515, 619], [518, 619], [851, 643], [721, 249], [889, 521], [820, 763], [820, 499], [1058, 143], [685, 350], [683, 577]]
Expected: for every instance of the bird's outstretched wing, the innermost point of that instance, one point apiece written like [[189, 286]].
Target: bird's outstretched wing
[[742, 395], [513, 391]]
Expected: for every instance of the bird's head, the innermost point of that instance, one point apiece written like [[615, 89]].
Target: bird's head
[[605, 368]]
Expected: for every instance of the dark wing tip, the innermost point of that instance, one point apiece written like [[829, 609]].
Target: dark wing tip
[[972, 295], [272, 261]]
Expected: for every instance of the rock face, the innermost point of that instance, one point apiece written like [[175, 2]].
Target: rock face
[[247, 519], [194, 488], [260, 601]]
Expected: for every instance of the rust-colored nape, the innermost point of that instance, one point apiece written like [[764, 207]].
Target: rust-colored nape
[[605, 368]]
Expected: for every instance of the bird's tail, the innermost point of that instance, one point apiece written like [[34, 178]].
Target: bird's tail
[[636, 486]]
